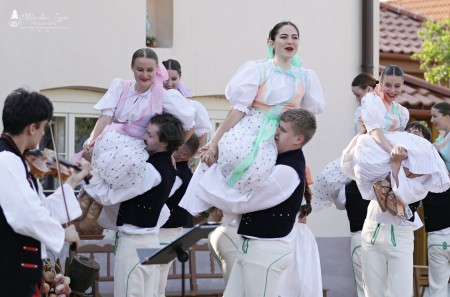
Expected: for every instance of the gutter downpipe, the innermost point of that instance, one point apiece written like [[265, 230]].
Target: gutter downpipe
[[367, 37]]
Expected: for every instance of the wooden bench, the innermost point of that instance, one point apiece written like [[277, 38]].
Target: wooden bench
[[421, 280]]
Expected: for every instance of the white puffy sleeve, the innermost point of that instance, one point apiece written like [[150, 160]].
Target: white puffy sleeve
[[202, 122], [243, 86], [356, 119], [175, 104], [313, 100], [18, 198], [372, 112], [108, 104]]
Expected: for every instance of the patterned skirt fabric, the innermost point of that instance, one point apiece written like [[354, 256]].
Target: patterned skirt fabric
[[119, 159], [237, 143]]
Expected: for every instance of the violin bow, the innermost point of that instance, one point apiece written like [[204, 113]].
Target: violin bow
[[58, 168]]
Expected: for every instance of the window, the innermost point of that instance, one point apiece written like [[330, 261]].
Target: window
[[160, 23]]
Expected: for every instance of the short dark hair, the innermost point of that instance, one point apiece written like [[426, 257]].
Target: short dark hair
[[173, 65], [192, 144], [170, 130], [23, 108], [426, 132], [144, 53], [303, 122]]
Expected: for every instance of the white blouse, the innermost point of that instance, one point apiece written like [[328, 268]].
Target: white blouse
[[375, 115], [173, 102], [32, 214], [202, 122], [243, 86]]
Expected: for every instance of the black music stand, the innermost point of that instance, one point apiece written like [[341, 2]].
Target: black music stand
[[176, 249]]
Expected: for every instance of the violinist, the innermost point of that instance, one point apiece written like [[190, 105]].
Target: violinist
[[30, 223]]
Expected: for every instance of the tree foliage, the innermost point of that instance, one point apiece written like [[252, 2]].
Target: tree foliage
[[434, 56]]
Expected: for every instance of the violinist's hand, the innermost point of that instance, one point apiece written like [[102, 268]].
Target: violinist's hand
[[208, 153], [76, 176], [71, 234]]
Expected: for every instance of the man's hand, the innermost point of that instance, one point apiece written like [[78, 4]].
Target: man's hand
[[398, 154], [361, 127], [71, 234]]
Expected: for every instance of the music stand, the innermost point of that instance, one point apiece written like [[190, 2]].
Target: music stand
[[176, 249]]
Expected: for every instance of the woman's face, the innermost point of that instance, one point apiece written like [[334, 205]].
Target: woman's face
[[439, 120], [392, 87], [144, 70], [173, 81], [360, 92], [285, 44]]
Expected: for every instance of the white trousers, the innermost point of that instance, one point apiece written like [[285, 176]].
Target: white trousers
[[356, 262], [131, 279], [438, 264], [166, 236], [223, 244], [387, 260], [258, 268]]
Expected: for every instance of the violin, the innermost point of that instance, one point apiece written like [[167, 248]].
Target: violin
[[43, 163]]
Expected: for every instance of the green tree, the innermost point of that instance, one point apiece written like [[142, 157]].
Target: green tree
[[434, 56]]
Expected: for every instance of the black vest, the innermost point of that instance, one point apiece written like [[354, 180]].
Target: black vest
[[20, 255], [143, 211], [278, 221], [436, 208], [179, 217], [355, 206]]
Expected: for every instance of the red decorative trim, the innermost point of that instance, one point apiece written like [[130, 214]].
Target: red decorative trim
[[30, 249], [28, 265]]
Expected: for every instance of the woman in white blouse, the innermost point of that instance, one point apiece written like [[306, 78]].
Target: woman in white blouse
[[116, 142], [202, 122], [244, 145]]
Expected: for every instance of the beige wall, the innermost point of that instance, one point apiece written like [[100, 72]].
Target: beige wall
[[210, 38]]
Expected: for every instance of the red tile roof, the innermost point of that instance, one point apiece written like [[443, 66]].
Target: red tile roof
[[431, 9], [398, 30]]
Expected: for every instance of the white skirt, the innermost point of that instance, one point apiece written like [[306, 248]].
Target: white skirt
[[303, 277], [119, 163], [370, 163]]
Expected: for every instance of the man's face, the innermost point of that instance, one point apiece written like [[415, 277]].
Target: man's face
[[37, 134], [151, 139], [415, 131], [285, 137]]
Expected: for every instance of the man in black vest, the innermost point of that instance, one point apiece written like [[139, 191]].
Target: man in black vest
[[267, 238], [138, 218], [179, 217], [29, 222]]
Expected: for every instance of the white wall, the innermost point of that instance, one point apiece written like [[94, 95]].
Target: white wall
[[210, 38]]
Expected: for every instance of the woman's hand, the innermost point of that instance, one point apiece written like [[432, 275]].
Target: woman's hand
[[209, 153], [88, 148]]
